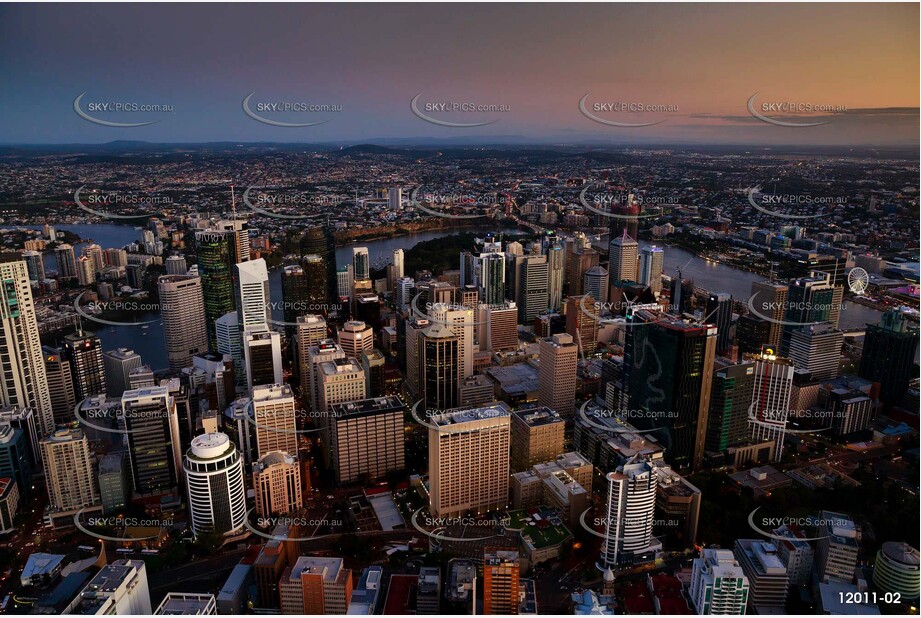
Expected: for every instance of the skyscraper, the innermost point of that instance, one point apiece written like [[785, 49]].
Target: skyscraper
[[669, 364], [888, 356], [596, 283], [66, 261], [770, 408], [60, 385], [118, 365], [252, 294], [356, 337], [230, 342], [277, 484], [581, 323], [622, 258], [83, 350], [770, 303], [629, 518], [217, 254], [274, 419], [556, 374], [469, 460], [182, 306], [652, 262], [817, 349], [532, 273], [730, 402], [719, 313], [361, 263], [580, 261], [461, 320], [320, 241], [214, 476], [22, 367], [35, 265], [556, 276], [809, 301], [438, 367], [366, 438], [150, 418], [69, 471], [310, 330], [490, 277], [262, 357]]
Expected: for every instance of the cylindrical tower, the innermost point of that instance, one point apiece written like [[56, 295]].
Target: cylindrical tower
[[214, 476]]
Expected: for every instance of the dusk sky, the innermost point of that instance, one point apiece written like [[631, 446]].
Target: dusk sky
[[538, 60]]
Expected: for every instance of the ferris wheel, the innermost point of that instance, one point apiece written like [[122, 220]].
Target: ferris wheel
[[857, 280]]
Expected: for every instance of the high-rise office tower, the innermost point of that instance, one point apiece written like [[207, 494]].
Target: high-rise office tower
[[230, 342], [22, 367], [403, 292], [252, 294], [18, 456], [325, 351], [274, 419], [366, 438], [626, 218], [176, 265], [796, 554], [809, 301], [769, 300], [766, 574], [277, 484], [730, 401], [719, 313], [499, 325], [682, 293], [629, 518], [35, 265], [580, 261], [356, 337], [413, 331], [501, 581], [537, 435], [581, 323], [596, 283], [241, 243], [896, 570], [469, 460], [118, 365], [66, 261], [60, 381], [295, 292], [182, 306], [556, 261], [150, 417], [69, 474], [310, 330], [652, 262], [361, 263], [461, 320], [754, 333], [119, 588], [83, 350], [888, 355], [339, 381], [345, 285], [718, 584], [262, 357], [314, 268], [556, 375], [438, 367], [398, 264], [216, 492], [669, 365], [217, 254], [320, 241], [374, 364], [838, 547], [490, 278], [817, 349], [770, 407], [113, 482], [622, 258], [532, 271], [141, 377], [395, 198]]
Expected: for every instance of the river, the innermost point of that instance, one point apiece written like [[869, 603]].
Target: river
[[148, 342]]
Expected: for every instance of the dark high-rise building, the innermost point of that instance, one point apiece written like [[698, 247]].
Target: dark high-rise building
[[439, 368], [293, 294], [216, 251], [730, 399], [60, 385], [682, 292], [889, 355], [719, 312], [83, 350], [321, 242], [669, 364], [626, 219], [809, 300], [154, 451], [752, 333]]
